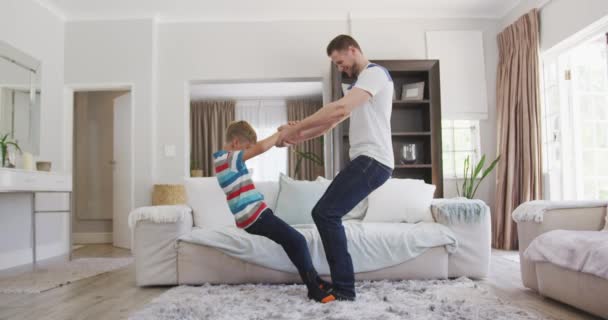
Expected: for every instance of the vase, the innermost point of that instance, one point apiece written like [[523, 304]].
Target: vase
[[408, 153]]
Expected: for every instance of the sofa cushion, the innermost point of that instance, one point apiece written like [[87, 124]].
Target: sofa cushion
[[372, 246], [401, 200], [297, 198], [208, 203], [606, 223], [577, 250]]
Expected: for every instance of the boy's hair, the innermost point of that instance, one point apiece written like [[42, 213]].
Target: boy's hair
[[342, 42], [241, 130]]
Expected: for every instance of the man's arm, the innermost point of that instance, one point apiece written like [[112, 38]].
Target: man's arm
[[312, 133], [325, 118], [260, 147]]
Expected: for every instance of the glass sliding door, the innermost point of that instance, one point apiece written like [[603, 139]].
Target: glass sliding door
[[575, 121]]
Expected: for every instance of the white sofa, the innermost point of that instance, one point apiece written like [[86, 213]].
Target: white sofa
[[162, 257], [551, 274]]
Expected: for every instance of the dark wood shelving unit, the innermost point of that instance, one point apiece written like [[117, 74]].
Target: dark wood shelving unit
[[412, 121]]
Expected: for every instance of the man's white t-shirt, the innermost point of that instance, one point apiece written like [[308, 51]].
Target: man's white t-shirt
[[370, 123]]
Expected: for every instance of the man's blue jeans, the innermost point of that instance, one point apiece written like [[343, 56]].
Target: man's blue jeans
[[353, 184]]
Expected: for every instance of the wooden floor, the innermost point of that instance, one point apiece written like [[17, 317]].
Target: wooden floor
[[114, 295]]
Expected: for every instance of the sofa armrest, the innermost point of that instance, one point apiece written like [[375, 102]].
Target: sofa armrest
[[579, 218], [155, 233], [470, 222]]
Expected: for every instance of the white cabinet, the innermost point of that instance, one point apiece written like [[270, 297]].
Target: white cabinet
[[26, 180], [42, 201]]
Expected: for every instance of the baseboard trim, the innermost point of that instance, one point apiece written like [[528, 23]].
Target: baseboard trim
[[92, 237]]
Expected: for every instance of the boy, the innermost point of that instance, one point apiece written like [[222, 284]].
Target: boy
[[249, 209]]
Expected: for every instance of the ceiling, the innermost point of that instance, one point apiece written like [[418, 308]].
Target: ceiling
[[248, 10]]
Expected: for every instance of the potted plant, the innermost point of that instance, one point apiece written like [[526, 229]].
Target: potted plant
[[5, 143], [195, 169], [310, 156], [471, 181]]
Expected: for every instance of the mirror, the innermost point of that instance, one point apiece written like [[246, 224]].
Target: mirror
[[20, 93]]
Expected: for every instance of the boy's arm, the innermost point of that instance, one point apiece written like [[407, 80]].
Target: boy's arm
[[260, 147]]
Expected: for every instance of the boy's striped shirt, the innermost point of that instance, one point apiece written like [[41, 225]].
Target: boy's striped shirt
[[245, 202]]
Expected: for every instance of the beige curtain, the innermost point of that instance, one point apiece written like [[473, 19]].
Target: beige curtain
[[308, 170], [519, 133], [208, 122]]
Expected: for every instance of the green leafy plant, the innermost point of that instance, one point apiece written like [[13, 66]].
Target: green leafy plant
[[310, 156], [5, 142], [471, 181]]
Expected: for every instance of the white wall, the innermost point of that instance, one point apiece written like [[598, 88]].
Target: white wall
[[36, 31], [106, 53], [123, 51], [229, 51], [559, 19]]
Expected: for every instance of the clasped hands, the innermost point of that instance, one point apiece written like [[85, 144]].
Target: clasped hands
[[287, 136]]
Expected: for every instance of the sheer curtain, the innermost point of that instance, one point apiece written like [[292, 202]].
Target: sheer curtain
[[265, 116]]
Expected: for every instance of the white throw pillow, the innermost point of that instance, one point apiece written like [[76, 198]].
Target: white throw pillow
[[208, 203], [606, 223], [297, 199], [401, 200]]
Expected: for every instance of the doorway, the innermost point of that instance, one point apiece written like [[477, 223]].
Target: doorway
[[102, 166]]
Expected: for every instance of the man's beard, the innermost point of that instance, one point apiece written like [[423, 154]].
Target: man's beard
[[357, 70]]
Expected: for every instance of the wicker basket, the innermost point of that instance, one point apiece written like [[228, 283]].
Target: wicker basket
[[168, 194]]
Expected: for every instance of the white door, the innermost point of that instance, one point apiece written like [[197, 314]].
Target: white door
[[122, 184]]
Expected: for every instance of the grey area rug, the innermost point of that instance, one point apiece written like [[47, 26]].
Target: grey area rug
[[380, 300], [46, 278]]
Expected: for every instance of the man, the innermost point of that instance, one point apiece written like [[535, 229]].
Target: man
[[368, 103]]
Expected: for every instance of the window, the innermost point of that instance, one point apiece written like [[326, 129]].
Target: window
[[460, 138], [575, 121], [265, 116]]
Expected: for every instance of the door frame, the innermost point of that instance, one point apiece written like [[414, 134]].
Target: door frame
[[69, 134]]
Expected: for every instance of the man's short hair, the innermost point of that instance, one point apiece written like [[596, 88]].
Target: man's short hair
[[342, 42], [241, 130]]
